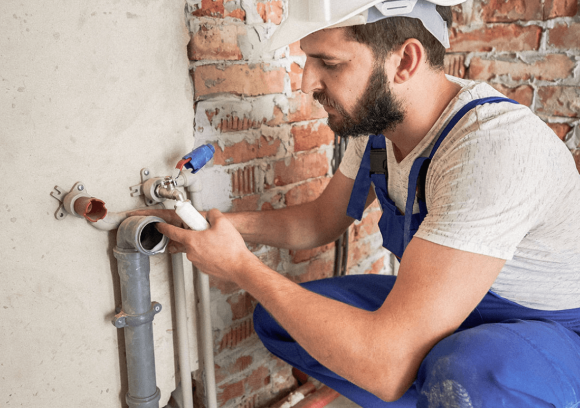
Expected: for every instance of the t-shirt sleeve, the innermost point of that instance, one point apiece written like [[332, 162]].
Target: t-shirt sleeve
[[352, 156], [487, 190]]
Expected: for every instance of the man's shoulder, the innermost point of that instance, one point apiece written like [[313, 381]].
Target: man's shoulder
[[472, 90], [506, 131], [514, 118]]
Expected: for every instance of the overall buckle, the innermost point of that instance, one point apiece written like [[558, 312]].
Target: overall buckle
[[379, 161]]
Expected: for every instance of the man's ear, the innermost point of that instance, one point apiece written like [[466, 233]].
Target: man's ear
[[408, 59]]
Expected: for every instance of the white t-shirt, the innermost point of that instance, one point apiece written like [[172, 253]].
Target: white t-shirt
[[501, 184]]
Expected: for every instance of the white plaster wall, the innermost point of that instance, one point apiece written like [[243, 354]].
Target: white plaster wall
[[92, 92]]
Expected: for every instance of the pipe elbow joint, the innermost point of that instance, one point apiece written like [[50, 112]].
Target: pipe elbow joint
[[138, 233]]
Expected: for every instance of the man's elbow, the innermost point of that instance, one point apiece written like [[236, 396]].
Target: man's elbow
[[390, 388], [391, 394]]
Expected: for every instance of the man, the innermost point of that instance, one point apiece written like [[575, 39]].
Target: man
[[480, 202]]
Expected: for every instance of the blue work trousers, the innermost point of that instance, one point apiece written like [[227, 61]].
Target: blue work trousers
[[503, 355]]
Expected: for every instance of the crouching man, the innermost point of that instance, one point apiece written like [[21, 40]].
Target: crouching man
[[480, 203]]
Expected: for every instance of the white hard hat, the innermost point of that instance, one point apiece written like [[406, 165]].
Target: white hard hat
[[308, 16]]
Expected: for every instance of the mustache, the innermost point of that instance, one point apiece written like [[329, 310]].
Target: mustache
[[323, 99]]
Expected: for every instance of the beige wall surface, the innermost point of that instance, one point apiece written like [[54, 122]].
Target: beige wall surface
[[91, 92]]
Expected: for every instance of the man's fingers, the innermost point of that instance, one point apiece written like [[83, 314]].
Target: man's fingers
[[213, 215], [174, 247], [172, 232]]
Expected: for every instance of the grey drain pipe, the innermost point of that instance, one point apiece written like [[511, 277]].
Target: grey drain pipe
[[137, 239]]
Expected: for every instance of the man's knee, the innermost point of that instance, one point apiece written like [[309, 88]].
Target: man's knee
[[448, 373], [488, 364]]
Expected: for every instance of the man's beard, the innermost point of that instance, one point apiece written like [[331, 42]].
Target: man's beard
[[376, 111]]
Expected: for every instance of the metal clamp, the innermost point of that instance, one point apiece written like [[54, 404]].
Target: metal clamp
[[68, 199], [123, 319], [147, 188]]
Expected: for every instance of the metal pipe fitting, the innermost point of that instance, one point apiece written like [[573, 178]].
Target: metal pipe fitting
[[168, 189], [170, 193]]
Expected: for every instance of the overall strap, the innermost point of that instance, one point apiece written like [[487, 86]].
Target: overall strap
[[421, 164], [459, 115], [362, 183]]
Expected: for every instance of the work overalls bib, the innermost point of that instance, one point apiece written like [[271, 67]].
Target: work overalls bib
[[397, 228], [493, 358]]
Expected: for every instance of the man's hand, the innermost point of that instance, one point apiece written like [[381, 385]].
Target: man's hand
[[219, 251]]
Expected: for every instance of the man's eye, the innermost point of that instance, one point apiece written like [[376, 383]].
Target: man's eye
[[329, 65]]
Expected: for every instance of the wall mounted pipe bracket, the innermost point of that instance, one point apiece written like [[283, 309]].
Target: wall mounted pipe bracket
[[79, 203], [123, 319], [147, 188], [151, 188]]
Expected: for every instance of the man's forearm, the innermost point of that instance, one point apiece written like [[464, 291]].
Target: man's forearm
[[295, 227], [307, 225]]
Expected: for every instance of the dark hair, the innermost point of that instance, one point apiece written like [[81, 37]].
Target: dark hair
[[390, 33]]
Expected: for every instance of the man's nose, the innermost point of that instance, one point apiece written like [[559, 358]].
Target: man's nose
[[311, 81]]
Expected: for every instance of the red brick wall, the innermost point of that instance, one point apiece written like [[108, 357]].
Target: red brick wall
[[274, 146], [528, 50], [275, 150]]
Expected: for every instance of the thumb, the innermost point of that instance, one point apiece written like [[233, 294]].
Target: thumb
[[213, 216]]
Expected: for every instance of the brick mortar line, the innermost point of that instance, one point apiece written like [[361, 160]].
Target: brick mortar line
[[257, 162], [516, 57], [283, 190], [544, 24]]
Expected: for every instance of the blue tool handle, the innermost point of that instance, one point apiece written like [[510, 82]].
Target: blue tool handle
[[199, 157]]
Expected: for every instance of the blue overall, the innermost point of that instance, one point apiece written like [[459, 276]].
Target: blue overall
[[502, 355]]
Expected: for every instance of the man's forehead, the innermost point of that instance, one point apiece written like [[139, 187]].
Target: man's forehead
[[330, 44]]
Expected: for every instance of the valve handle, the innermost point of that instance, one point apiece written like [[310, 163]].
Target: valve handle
[[198, 158], [181, 163]]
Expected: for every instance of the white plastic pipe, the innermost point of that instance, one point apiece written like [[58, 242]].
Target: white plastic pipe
[[202, 288], [182, 331], [190, 216], [202, 283]]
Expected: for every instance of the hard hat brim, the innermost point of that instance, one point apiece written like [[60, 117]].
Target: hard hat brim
[[293, 29]]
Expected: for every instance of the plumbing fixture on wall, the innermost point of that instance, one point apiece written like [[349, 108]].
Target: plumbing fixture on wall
[[137, 238], [159, 190], [79, 203]]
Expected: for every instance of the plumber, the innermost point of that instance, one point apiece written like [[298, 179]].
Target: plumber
[[480, 204]]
